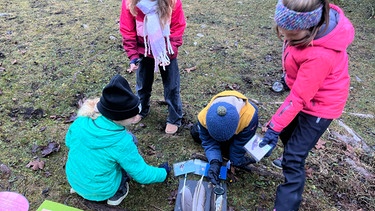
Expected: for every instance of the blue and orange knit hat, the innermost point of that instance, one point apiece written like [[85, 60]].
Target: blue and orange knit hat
[[222, 121], [292, 20]]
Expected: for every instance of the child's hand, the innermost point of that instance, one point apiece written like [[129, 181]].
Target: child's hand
[[214, 171], [134, 64], [264, 128], [166, 167], [271, 137], [132, 68]]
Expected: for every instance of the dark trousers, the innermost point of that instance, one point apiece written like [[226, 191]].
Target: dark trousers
[[171, 84], [299, 137]]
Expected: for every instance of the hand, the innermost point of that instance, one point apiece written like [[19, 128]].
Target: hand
[[133, 68], [271, 137], [166, 167], [214, 171], [134, 65]]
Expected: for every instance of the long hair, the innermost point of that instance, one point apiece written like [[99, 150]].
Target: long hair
[[307, 6], [165, 8]]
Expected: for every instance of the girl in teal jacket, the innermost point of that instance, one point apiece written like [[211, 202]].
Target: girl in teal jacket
[[101, 149]]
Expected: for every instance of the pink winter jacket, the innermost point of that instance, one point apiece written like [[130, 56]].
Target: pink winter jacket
[[131, 29], [317, 76]]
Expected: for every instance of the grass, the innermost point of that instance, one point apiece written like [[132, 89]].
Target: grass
[[53, 53]]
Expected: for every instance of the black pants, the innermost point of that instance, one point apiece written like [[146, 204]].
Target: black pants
[[122, 188], [299, 137], [194, 132]]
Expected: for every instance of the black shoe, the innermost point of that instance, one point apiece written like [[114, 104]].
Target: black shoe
[[277, 162], [119, 195]]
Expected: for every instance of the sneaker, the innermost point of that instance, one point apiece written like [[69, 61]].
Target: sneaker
[[277, 162], [119, 195], [171, 129], [137, 119]]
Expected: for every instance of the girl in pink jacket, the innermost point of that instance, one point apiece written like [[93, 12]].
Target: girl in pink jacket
[[316, 35], [152, 31]]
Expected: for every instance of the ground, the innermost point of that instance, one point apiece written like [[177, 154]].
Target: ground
[[55, 54]]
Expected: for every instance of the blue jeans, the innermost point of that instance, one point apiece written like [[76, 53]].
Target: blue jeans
[[299, 137], [171, 83]]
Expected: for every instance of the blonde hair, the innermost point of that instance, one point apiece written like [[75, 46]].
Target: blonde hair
[[307, 6], [89, 109], [165, 8]]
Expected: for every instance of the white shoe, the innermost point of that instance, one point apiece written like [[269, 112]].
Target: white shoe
[[72, 191]]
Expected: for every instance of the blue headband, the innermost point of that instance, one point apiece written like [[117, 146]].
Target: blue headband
[[292, 20]]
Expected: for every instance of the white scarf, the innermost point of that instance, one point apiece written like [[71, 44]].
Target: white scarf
[[156, 35]]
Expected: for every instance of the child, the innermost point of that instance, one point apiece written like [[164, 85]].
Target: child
[[152, 32], [316, 35], [224, 126], [102, 153]]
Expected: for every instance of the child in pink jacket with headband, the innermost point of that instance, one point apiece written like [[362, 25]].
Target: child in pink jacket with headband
[[316, 36]]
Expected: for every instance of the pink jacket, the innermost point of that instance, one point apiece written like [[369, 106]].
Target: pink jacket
[[131, 29], [317, 76]]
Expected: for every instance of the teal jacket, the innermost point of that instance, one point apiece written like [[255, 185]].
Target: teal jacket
[[98, 149]]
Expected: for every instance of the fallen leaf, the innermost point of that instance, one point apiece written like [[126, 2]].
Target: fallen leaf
[[47, 174], [80, 102], [51, 147], [36, 164], [152, 147], [233, 86], [150, 152], [35, 148], [57, 117], [70, 118], [232, 175], [309, 172], [190, 69], [5, 171], [45, 191], [350, 149], [172, 197], [320, 144]]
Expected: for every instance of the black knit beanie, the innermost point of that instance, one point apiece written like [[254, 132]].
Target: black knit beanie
[[118, 102]]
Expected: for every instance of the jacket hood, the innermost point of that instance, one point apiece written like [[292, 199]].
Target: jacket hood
[[101, 132], [340, 32]]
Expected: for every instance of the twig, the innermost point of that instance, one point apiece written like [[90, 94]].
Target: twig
[[355, 136], [372, 13], [156, 207], [360, 115], [355, 139], [276, 103], [359, 169]]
